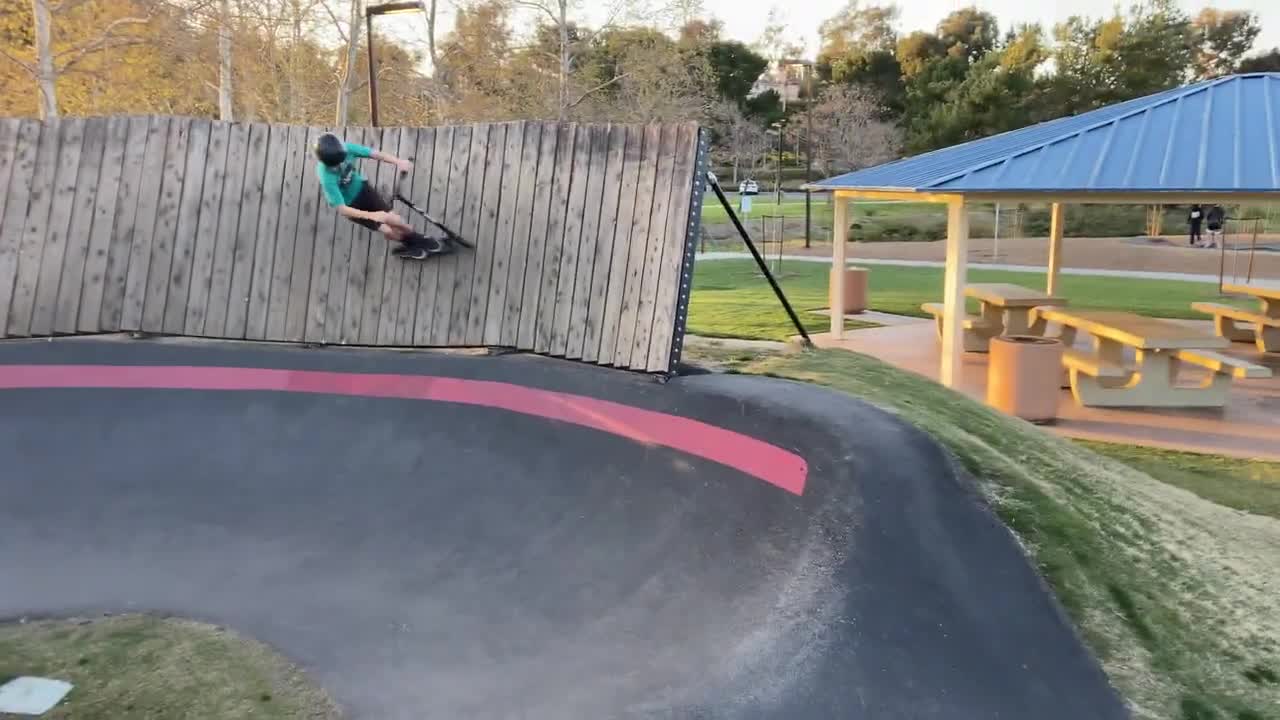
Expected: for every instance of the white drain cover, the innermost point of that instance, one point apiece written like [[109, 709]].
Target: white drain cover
[[32, 695]]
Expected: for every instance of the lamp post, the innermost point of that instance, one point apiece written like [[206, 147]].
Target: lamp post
[[777, 171], [808, 141], [391, 8]]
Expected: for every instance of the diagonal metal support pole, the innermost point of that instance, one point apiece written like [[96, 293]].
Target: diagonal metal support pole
[[764, 267]]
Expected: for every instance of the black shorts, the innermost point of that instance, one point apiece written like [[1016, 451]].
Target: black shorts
[[369, 200]]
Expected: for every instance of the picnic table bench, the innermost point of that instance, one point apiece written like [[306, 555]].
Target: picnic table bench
[[1266, 321], [1004, 309], [1104, 378]]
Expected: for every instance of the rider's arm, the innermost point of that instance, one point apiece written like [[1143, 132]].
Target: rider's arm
[[362, 151]]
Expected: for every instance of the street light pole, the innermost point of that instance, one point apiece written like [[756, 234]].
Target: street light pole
[[391, 8], [373, 71], [808, 152]]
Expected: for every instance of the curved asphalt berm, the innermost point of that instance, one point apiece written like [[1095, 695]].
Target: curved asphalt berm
[[448, 558]]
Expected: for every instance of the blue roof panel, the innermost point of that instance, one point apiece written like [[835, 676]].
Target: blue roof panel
[[1212, 136]]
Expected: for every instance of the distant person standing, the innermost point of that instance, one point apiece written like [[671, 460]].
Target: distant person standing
[[1215, 220], [1194, 219]]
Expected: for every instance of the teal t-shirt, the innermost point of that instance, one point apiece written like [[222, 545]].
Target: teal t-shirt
[[342, 183]]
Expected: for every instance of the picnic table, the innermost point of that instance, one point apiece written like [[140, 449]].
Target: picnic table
[[1104, 378], [1004, 309], [1265, 322]]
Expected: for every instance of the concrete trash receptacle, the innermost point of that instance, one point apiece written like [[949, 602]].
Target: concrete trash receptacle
[[1022, 376], [855, 290]]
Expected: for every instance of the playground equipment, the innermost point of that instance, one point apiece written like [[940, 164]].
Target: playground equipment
[[1238, 233], [772, 232]]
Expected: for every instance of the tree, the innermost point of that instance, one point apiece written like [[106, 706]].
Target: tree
[[1221, 40], [916, 50], [736, 68], [737, 139], [67, 34], [848, 132], [992, 98], [856, 30], [1024, 48], [969, 33], [1265, 62], [878, 72]]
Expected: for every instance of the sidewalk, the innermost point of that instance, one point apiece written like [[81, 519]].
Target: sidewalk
[[1142, 274]]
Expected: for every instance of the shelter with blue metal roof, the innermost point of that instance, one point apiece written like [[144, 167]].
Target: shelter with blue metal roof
[[1214, 141]]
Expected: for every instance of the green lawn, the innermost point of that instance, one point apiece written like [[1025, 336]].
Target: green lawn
[[141, 666], [1249, 485], [731, 300], [1176, 596]]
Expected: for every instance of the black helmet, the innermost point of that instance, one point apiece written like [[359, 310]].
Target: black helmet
[[330, 150]]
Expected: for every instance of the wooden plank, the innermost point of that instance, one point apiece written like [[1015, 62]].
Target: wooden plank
[[39, 209], [378, 249], [10, 137], [269, 237], [535, 257], [636, 247], [26, 172], [340, 262], [164, 235], [463, 263], [24, 148], [602, 262], [54, 253], [522, 190], [120, 247], [189, 227], [588, 247], [115, 136], [475, 296], [499, 274], [311, 255], [575, 213], [668, 281], [567, 139], [400, 281], [632, 159], [437, 204], [246, 233], [657, 238], [297, 166], [67, 304], [224, 254], [454, 211], [362, 248], [145, 223], [206, 238]]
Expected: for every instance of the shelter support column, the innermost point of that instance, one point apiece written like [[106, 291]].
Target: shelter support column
[[953, 292], [1056, 218], [839, 234]]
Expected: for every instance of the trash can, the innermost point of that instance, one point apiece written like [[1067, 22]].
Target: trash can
[[1023, 373], [855, 289]]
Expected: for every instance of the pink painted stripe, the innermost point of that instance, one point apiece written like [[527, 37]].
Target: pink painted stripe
[[769, 463]]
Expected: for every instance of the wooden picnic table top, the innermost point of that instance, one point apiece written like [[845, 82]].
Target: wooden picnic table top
[[1269, 292], [1010, 295], [1144, 333]]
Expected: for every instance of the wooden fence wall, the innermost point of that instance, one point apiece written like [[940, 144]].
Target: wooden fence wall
[[584, 236]]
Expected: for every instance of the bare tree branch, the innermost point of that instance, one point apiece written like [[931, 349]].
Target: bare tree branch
[[597, 88], [534, 5], [105, 40], [29, 68]]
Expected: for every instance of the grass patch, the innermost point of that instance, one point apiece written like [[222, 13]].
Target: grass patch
[[1249, 485], [1175, 595], [143, 666], [731, 300]]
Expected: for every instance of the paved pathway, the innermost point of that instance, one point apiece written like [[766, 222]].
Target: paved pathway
[[1147, 275]]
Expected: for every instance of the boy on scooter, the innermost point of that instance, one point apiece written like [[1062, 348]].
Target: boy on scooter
[[347, 190]]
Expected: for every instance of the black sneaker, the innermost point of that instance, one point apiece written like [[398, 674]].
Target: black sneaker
[[410, 252]]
